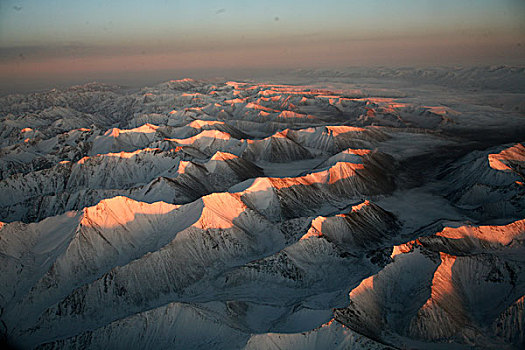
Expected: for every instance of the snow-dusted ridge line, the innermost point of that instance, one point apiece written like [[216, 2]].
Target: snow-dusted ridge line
[[110, 216], [71, 178], [444, 274], [489, 182], [40, 153], [92, 218], [176, 180], [330, 333], [242, 214]]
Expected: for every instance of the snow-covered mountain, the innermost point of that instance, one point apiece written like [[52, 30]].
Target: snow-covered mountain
[[263, 215]]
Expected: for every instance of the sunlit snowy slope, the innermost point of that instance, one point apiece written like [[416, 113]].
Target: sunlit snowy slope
[[359, 209]]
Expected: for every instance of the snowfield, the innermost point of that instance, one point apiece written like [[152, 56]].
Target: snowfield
[[351, 209]]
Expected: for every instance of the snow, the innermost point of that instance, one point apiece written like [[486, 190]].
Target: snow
[[118, 211], [359, 208]]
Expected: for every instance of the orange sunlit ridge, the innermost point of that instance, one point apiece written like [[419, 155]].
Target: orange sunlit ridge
[[501, 160], [317, 223], [129, 208], [501, 235], [119, 211], [122, 154]]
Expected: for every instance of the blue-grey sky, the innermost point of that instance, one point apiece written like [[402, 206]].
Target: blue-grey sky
[[129, 22], [39, 37]]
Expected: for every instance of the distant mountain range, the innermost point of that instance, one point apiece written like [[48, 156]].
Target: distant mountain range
[[260, 215]]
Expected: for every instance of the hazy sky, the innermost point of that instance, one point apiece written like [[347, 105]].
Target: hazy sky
[[41, 38]]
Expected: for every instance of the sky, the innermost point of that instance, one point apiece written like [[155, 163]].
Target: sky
[[52, 40]]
